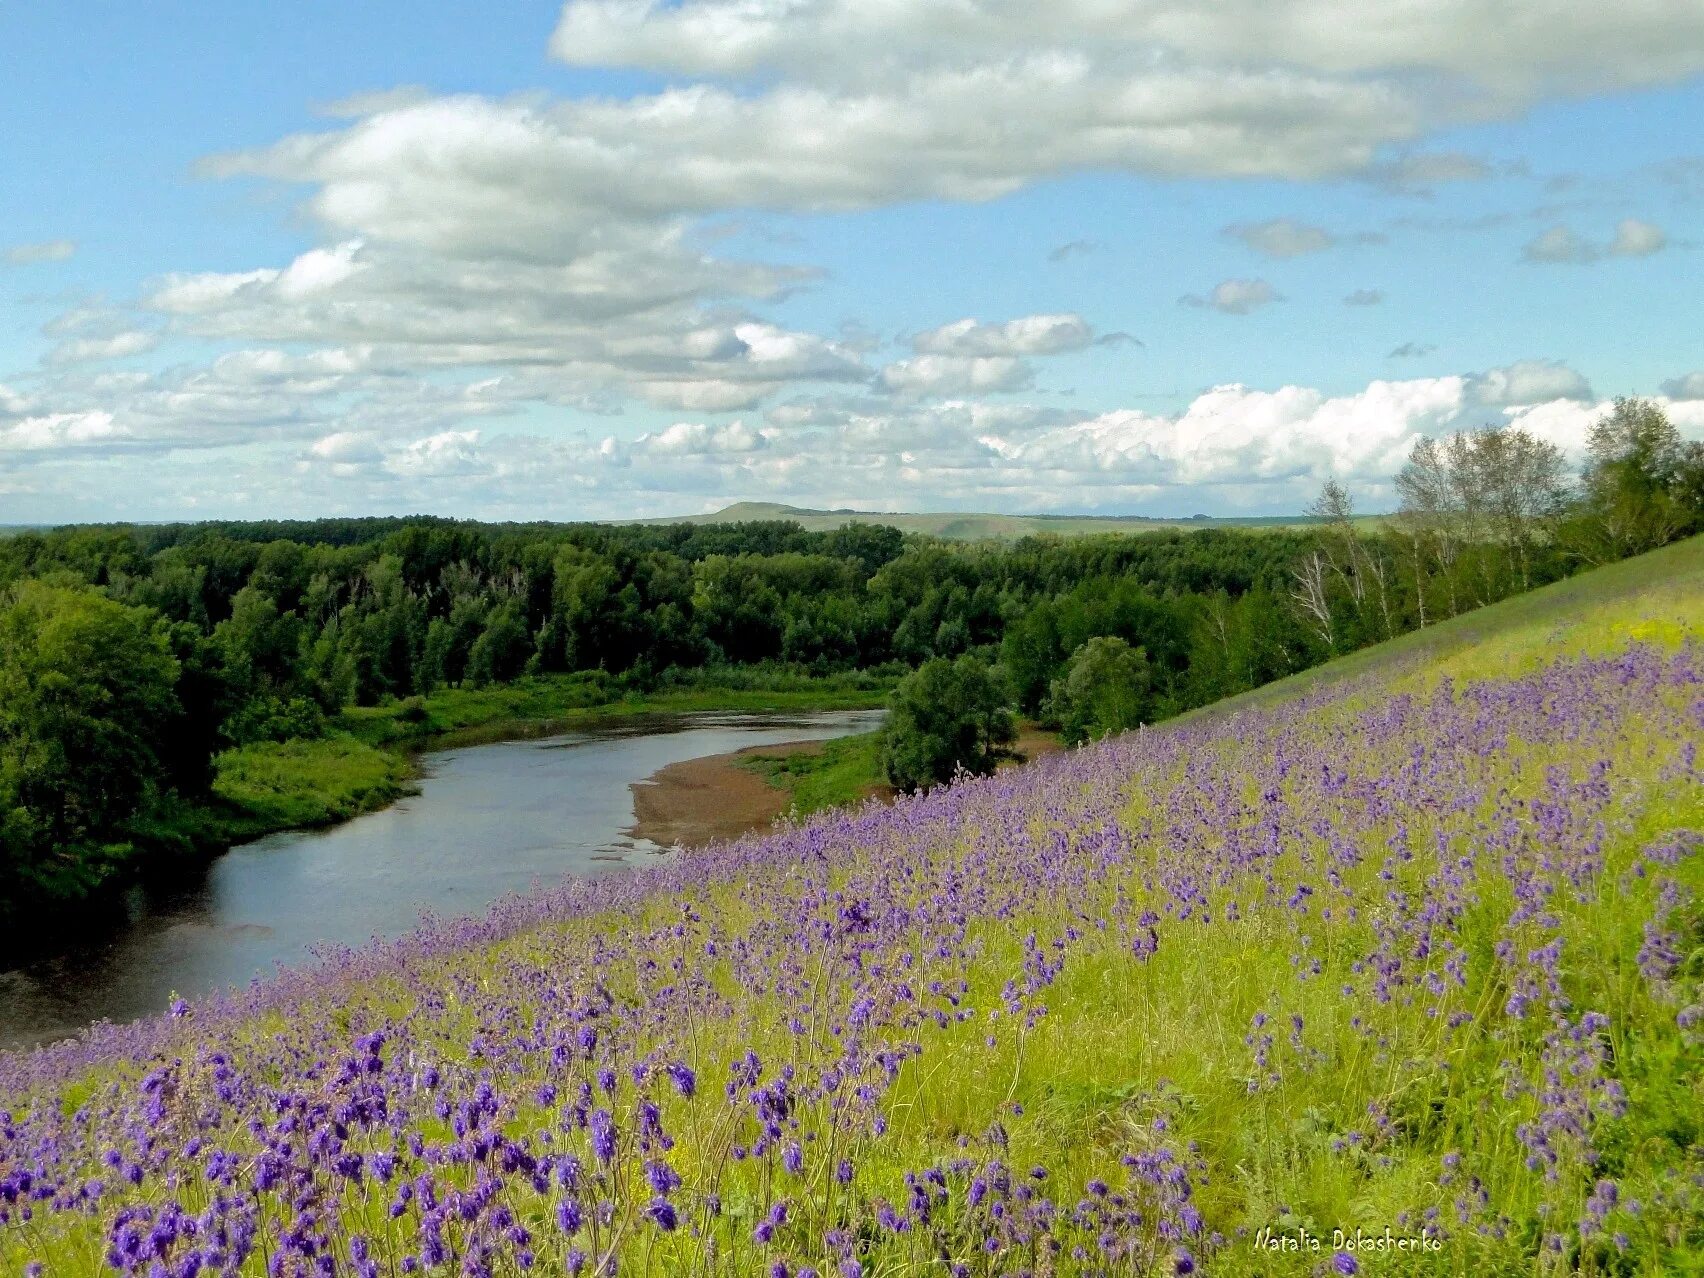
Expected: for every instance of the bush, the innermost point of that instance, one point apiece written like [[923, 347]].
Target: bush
[[273, 719], [948, 716]]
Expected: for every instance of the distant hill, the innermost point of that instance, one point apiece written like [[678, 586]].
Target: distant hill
[[969, 526]]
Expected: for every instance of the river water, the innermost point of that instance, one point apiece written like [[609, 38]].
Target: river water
[[489, 820]]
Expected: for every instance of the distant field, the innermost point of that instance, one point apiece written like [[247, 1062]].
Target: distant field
[[1408, 949], [973, 527]]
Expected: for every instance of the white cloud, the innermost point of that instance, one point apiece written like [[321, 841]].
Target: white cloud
[[957, 375], [1634, 238], [1283, 237], [1530, 381], [1559, 244], [1233, 447], [347, 446], [1519, 48], [449, 454], [86, 350], [1030, 335], [1688, 387], [700, 439], [1235, 297], [51, 431], [46, 251], [1417, 173]]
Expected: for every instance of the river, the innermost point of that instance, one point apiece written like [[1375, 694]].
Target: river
[[489, 820]]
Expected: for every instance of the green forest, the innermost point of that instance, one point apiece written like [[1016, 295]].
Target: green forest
[[166, 689]]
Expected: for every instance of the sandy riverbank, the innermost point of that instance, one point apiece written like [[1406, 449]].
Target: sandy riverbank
[[699, 801]]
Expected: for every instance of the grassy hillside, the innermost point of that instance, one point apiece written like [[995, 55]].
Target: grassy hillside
[[1412, 946], [960, 526]]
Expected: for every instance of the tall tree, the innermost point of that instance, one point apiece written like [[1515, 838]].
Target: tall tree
[[1639, 482], [86, 705], [946, 717]]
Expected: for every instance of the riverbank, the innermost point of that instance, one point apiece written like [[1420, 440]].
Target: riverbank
[[724, 796], [489, 821], [371, 758]]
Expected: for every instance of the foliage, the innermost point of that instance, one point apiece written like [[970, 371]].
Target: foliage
[[1643, 485], [949, 716], [1105, 689], [1412, 945], [86, 710]]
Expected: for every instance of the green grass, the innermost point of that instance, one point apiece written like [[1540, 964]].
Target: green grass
[[845, 770], [307, 783]]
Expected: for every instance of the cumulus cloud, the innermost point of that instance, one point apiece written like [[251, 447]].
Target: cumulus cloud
[[957, 375], [700, 439], [1235, 297], [448, 454], [1364, 297], [1530, 381], [46, 251], [86, 350], [1560, 244], [347, 446], [1689, 387], [1634, 238], [1030, 335], [1231, 447], [54, 431]]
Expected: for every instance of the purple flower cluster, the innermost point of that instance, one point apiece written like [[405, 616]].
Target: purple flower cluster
[[833, 1051]]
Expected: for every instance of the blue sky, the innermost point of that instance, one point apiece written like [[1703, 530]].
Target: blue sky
[[619, 258]]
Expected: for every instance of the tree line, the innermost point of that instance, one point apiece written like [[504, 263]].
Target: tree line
[[131, 657]]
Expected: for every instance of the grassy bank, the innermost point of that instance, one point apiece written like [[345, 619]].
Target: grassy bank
[[849, 769], [845, 770]]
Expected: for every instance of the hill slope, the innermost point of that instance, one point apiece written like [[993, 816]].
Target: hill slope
[[1411, 945], [969, 526]]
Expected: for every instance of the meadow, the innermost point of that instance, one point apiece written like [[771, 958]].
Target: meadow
[[1411, 947]]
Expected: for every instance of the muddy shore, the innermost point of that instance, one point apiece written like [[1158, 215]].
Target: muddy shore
[[699, 801]]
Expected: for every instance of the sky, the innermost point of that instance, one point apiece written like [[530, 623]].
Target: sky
[[622, 258]]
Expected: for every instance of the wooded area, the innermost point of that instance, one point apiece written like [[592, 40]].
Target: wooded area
[[130, 657]]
